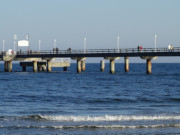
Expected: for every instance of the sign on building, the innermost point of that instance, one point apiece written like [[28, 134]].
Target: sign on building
[[23, 43]]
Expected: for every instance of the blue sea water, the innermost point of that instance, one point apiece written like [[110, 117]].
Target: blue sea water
[[92, 102]]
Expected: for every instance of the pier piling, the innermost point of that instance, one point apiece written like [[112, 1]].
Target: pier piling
[[34, 66], [39, 68], [78, 66], [148, 63], [49, 66], [102, 65], [112, 66], [43, 68], [23, 68], [126, 64], [83, 65], [5, 66], [64, 68], [8, 66], [148, 66]]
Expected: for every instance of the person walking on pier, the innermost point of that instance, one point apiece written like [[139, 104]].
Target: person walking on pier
[[141, 48], [170, 48], [138, 48]]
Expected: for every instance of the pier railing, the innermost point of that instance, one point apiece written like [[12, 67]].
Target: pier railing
[[95, 51], [99, 51]]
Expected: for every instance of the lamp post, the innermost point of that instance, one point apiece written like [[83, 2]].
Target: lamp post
[[27, 38], [118, 46], [54, 43], [84, 45], [3, 45], [15, 38], [39, 45], [155, 42]]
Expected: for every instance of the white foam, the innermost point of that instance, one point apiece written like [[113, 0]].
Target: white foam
[[119, 126], [95, 126], [108, 118]]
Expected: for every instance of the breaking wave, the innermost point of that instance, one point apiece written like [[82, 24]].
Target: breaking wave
[[96, 126], [104, 118]]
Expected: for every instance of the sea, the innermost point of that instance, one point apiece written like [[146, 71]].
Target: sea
[[92, 102]]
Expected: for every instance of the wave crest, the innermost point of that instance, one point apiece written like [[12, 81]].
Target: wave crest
[[96, 126], [106, 118]]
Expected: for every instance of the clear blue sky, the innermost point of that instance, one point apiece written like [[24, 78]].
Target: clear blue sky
[[100, 21]]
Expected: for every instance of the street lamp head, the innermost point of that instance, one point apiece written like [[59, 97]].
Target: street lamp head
[[15, 36]]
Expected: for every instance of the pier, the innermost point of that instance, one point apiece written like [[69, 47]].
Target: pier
[[42, 60]]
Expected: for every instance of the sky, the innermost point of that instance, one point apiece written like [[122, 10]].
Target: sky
[[100, 21]]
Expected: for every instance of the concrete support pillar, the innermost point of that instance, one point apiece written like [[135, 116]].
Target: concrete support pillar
[[23, 68], [148, 63], [8, 66], [112, 66], [64, 68], [126, 64], [148, 66], [78, 66], [5, 66], [39, 68], [83, 65], [34, 66], [43, 68], [49, 66], [102, 66]]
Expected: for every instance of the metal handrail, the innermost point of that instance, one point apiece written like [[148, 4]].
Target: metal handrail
[[98, 51]]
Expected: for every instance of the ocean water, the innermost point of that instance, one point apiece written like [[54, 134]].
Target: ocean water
[[92, 102]]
